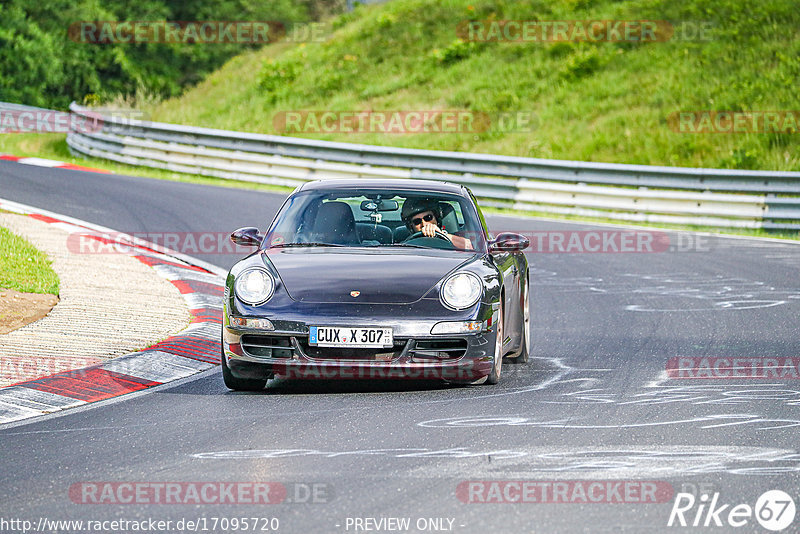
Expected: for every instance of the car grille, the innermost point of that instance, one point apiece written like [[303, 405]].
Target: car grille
[[438, 349], [331, 353], [267, 346]]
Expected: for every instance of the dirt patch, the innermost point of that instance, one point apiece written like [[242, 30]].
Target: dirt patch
[[18, 309]]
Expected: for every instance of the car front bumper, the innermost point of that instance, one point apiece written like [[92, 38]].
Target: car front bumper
[[416, 354]]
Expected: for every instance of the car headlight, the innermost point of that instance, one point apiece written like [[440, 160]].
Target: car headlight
[[254, 286], [461, 290]]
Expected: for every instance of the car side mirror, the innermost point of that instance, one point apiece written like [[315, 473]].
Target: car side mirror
[[509, 242], [247, 237]]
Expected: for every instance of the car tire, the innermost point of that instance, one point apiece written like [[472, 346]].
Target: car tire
[[497, 367], [239, 384], [522, 357]]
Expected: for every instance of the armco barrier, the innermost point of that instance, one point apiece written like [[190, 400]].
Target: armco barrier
[[7, 106], [710, 197]]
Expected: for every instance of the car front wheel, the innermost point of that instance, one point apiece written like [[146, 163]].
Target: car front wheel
[[522, 357], [494, 376], [239, 384]]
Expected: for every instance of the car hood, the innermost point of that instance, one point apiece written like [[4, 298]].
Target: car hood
[[328, 275]]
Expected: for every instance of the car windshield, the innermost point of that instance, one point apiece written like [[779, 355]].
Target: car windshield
[[379, 218]]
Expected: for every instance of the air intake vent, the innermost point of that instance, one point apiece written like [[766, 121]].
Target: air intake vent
[[267, 346], [329, 353], [439, 349]]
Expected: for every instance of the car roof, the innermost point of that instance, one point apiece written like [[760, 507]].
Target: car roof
[[374, 183]]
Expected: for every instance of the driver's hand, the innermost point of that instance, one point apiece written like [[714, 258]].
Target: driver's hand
[[430, 229]]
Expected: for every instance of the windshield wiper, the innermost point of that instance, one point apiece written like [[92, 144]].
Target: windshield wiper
[[312, 244]]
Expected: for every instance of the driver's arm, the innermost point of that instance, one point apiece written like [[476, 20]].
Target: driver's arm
[[460, 242], [429, 230]]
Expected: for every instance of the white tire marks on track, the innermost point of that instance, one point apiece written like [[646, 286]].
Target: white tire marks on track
[[553, 462], [686, 292], [704, 421]]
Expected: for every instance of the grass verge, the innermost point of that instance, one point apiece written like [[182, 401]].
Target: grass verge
[[23, 267]]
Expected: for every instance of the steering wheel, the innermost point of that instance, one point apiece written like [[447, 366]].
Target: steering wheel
[[439, 234]]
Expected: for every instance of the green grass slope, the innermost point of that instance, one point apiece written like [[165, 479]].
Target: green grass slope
[[591, 101]]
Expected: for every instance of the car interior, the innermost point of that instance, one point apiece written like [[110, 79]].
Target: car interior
[[449, 223], [367, 220]]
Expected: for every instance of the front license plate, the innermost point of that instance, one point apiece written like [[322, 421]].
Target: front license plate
[[345, 336]]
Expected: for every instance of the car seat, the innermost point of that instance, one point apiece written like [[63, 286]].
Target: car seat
[[374, 232], [335, 224]]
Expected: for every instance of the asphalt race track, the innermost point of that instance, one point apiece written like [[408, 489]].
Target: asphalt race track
[[595, 403]]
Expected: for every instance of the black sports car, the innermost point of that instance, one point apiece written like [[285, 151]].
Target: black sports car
[[376, 279]]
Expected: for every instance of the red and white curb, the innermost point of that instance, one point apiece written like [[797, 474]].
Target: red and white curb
[[50, 163], [193, 350]]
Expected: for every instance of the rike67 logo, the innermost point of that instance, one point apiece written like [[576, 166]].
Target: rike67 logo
[[774, 510]]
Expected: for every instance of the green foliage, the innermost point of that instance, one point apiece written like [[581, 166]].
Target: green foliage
[[591, 101], [581, 64], [42, 63], [455, 51], [27, 58], [741, 158], [276, 77], [277, 74]]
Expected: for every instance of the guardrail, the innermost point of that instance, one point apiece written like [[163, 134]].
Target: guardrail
[[639, 193], [8, 106]]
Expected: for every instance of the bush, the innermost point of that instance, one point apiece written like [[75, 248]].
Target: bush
[[276, 75], [455, 51], [581, 64]]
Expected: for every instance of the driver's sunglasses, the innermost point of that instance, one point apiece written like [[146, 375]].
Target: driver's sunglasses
[[416, 221]]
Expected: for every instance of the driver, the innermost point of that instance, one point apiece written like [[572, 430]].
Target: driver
[[423, 215]]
